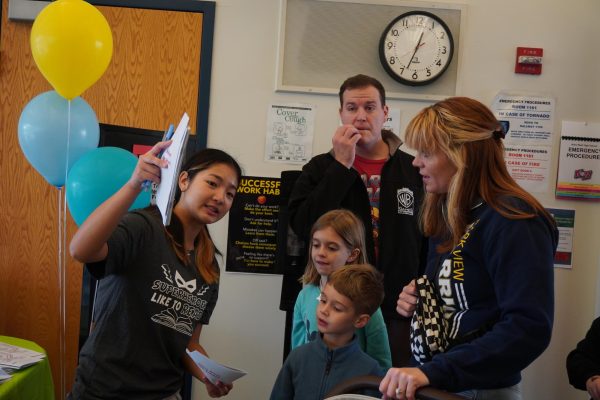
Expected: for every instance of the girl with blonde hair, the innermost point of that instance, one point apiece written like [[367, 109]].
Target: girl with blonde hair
[[337, 239]]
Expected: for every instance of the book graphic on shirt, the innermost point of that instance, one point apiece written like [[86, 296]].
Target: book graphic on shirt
[[213, 370], [170, 319], [174, 154]]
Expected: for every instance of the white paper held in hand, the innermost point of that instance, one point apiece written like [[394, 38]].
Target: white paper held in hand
[[174, 154], [213, 370]]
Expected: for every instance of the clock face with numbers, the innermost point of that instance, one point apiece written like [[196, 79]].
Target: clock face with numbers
[[416, 48]]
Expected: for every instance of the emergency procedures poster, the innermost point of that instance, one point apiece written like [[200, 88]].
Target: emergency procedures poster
[[579, 163], [252, 235], [528, 142]]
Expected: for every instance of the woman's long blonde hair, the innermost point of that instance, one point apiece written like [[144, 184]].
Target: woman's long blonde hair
[[469, 134], [349, 228]]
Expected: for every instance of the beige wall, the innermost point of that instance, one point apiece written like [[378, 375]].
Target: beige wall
[[246, 330]]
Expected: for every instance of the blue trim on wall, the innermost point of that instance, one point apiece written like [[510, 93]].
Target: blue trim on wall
[[208, 29]]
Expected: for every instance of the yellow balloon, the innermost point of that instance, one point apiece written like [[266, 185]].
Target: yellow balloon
[[72, 45]]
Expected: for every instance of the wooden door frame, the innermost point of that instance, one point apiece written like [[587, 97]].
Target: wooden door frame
[[207, 9]]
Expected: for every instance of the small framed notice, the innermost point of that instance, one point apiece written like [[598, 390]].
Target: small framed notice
[[565, 222]]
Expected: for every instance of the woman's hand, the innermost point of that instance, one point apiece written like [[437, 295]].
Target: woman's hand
[[148, 166], [407, 301], [402, 383], [218, 390], [593, 387]]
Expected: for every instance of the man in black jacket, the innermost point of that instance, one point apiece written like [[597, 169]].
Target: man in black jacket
[[367, 173], [583, 363]]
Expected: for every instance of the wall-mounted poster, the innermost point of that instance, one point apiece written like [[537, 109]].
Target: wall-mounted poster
[[565, 222], [252, 235], [528, 165], [528, 142], [392, 123], [290, 133], [579, 162], [531, 118]]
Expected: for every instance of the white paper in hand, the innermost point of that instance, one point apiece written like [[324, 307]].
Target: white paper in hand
[[165, 192], [213, 370]]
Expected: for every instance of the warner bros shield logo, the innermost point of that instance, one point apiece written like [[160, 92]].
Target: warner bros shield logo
[[406, 201]]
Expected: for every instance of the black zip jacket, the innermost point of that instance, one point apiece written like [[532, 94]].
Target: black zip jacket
[[325, 185]]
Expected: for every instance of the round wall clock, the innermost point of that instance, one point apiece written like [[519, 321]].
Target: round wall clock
[[416, 48]]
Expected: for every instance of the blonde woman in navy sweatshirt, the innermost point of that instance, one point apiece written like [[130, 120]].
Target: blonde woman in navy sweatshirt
[[490, 258]]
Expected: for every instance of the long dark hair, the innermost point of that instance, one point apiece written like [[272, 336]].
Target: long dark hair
[[205, 260]]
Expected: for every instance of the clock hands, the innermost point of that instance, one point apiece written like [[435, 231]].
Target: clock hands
[[401, 56], [416, 48]]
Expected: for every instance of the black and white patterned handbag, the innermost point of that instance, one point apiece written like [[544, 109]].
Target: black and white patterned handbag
[[429, 328]]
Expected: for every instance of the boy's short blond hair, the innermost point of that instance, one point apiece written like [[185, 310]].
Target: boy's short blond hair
[[362, 284]]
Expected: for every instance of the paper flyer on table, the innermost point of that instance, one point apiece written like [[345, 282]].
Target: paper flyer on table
[[213, 370], [16, 357], [165, 191], [4, 376]]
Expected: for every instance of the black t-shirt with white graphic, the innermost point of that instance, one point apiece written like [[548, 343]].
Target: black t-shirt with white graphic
[[148, 304]]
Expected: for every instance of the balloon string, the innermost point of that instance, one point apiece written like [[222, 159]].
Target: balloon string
[[61, 278], [62, 264]]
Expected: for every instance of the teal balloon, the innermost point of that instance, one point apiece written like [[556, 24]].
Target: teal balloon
[[98, 175], [45, 134]]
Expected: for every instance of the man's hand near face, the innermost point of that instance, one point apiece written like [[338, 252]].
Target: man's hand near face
[[344, 142]]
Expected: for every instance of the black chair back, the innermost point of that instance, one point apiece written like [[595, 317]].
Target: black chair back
[[370, 382]]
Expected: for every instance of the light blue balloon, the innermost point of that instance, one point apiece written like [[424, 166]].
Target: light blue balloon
[[98, 175], [44, 134]]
